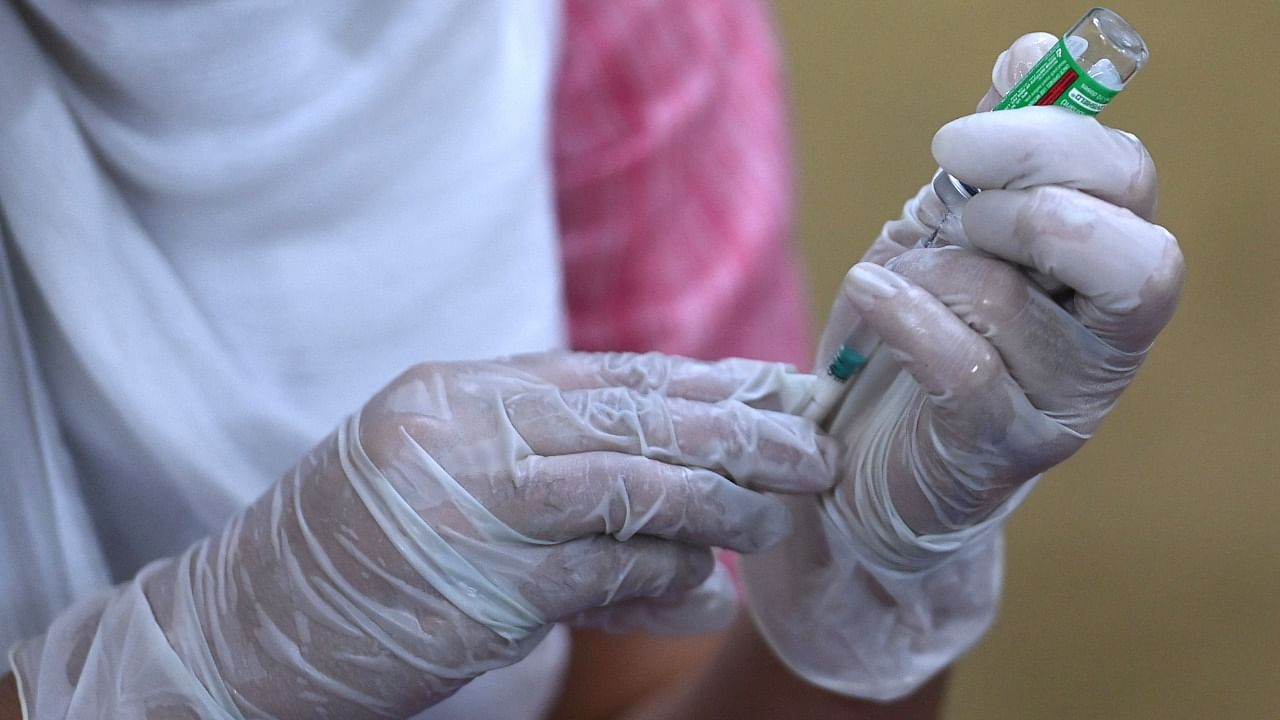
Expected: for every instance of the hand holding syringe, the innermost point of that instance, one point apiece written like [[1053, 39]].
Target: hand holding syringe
[[1084, 70]]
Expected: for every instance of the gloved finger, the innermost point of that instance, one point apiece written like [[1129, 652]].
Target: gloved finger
[[568, 496], [707, 608], [924, 212], [1064, 370], [597, 571], [978, 437], [1026, 147], [758, 383], [950, 361], [1013, 64], [1127, 273], [841, 321], [756, 448], [921, 215]]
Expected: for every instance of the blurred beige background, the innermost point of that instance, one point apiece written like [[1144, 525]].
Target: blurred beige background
[[1144, 575]]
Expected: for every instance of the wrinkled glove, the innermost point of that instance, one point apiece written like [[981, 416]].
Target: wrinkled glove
[[984, 381], [437, 534]]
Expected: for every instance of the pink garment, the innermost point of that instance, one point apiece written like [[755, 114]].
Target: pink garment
[[673, 181]]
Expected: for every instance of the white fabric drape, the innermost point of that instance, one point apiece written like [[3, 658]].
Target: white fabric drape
[[226, 224]]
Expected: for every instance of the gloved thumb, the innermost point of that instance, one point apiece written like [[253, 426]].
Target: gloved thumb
[[1013, 64]]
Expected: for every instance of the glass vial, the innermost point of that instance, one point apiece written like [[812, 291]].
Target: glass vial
[[1088, 67]]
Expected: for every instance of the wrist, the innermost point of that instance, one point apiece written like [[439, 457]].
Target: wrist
[[281, 614], [869, 516], [10, 703], [748, 680], [861, 631], [303, 606]]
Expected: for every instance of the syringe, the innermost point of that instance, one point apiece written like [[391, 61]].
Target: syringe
[[1088, 67]]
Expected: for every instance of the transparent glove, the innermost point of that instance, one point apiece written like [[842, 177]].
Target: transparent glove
[[985, 380], [437, 534]]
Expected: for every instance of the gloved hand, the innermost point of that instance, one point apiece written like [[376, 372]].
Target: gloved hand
[[984, 381], [436, 535]]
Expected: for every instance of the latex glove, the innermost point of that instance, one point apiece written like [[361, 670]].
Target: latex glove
[[436, 535], [987, 381]]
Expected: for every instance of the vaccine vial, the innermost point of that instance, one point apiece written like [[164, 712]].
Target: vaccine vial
[[1088, 67], [1083, 72]]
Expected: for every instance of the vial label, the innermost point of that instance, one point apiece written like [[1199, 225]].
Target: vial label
[[1059, 80]]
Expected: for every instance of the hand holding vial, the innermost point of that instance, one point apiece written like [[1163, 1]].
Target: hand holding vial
[[988, 381]]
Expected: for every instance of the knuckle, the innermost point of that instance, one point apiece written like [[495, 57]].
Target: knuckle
[[615, 359], [1166, 279], [1146, 165], [993, 290], [698, 564], [647, 370], [613, 401], [721, 431], [582, 575], [529, 477], [648, 415], [382, 437], [977, 372], [639, 567], [1043, 204], [918, 265], [1140, 192], [642, 483], [423, 371], [916, 298], [1000, 292]]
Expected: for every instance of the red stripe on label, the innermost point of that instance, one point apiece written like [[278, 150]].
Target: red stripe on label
[[1058, 88]]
